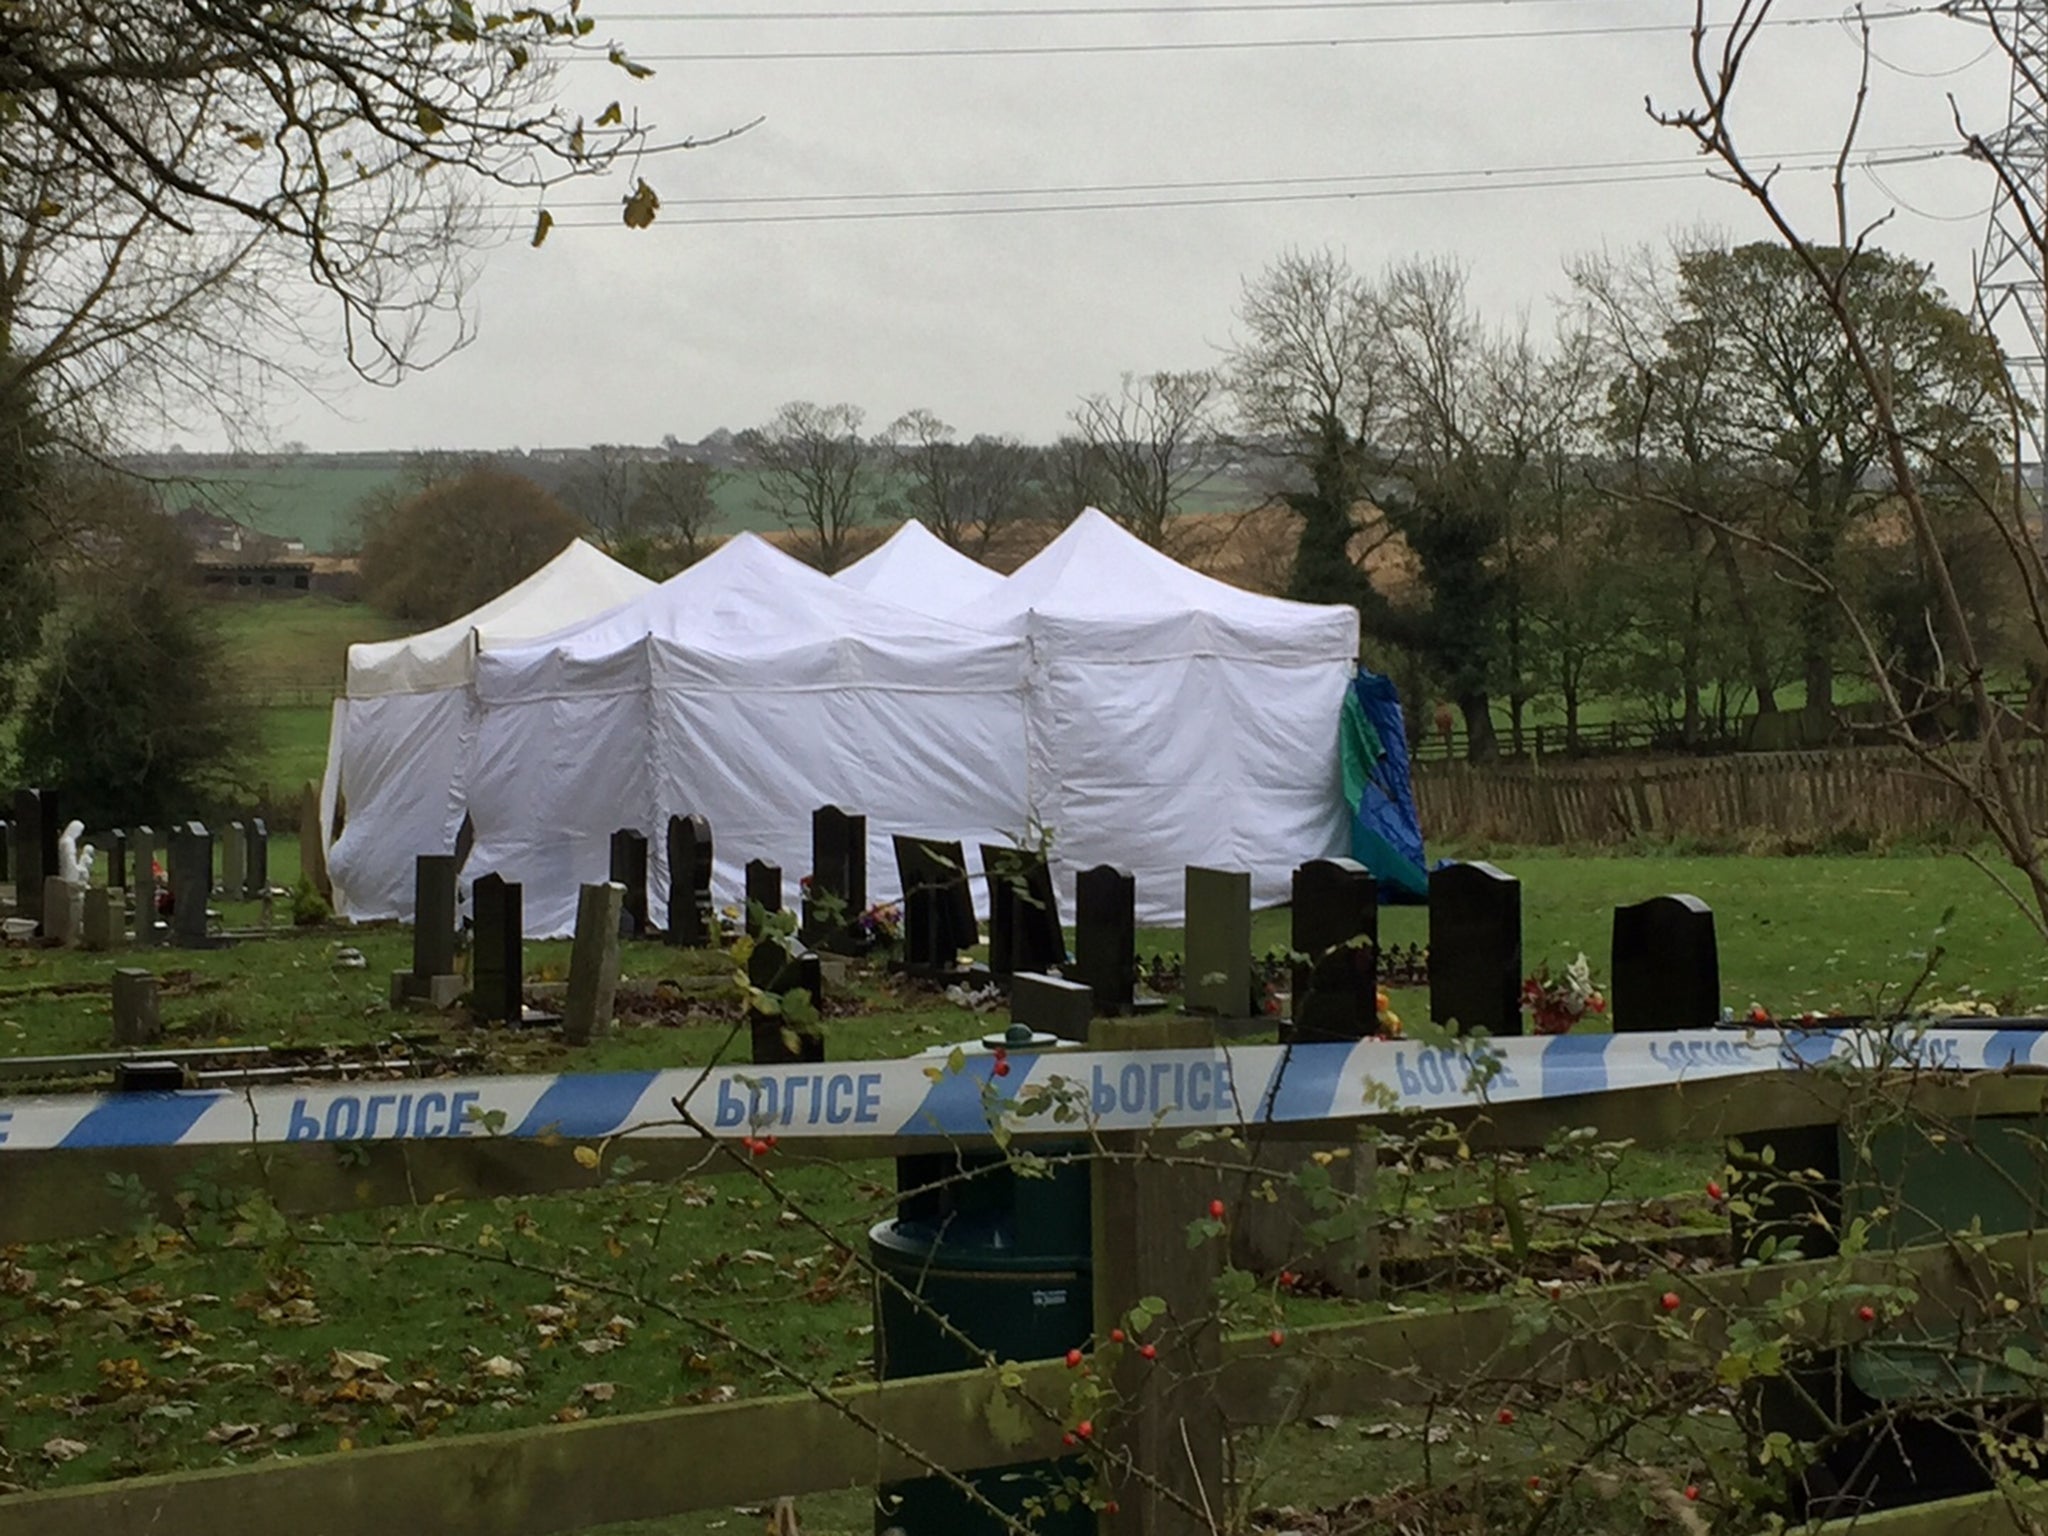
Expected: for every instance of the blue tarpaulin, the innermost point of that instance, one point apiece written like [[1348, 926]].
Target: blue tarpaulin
[[1385, 835]]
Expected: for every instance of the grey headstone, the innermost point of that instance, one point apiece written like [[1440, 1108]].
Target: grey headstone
[[838, 893], [629, 872], [59, 909], [764, 890], [1336, 924], [1024, 932], [1106, 937], [234, 861], [100, 924], [1052, 1005], [190, 871], [938, 907], [257, 856], [593, 964], [497, 950], [136, 1019], [691, 923], [776, 967], [1665, 969], [1475, 948], [1217, 969]]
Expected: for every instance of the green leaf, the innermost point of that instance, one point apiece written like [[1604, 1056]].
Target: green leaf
[[429, 118], [610, 115], [641, 207]]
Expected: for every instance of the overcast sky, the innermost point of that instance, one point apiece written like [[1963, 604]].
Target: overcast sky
[[1000, 321]]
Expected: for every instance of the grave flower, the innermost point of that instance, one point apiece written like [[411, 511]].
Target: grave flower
[[1555, 1005]]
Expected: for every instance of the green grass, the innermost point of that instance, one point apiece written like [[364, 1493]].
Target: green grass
[[292, 647], [312, 502], [238, 1324]]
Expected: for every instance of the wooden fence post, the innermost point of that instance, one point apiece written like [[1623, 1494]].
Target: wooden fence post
[[1165, 1448]]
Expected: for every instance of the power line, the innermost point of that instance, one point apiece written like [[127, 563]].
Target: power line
[[1087, 12], [1896, 154], [1511, 181], [1224, 45]]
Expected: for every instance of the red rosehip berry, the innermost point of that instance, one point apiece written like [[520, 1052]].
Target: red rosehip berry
[[1535, 1481], [1713, 1189], [1068, 1440], [1073, 1358], [1867, 1313], [1002, 1069], [1116, 1335], [1109, 1507], [1286, 1279], [1276, 1338], [1670, 1301], [1148, 1351], [1216, 1210], [1085, 1429], [1506, 1415], [1692, 1492]]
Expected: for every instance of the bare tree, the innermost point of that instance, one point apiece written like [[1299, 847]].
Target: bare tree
[[1833, 268], [1157, 439], [675, 507], [817, 473], [1073, 475], [964, 492], [600, 488]]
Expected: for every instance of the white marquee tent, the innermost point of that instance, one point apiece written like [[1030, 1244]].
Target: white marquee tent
[[915, 568], [396, 743], [1174, 719], [749, 689]]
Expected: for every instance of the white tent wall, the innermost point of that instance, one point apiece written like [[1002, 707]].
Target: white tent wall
[[399, 759]]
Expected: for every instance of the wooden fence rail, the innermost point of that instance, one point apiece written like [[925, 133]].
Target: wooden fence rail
[[1872, 794]]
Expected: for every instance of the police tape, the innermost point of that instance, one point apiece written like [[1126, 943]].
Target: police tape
[[931, 1096]]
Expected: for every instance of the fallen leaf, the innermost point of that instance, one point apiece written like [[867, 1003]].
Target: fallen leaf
[[60, 1449], [233, 1434], [500, 1368], [600, 1391], [357, 1362]]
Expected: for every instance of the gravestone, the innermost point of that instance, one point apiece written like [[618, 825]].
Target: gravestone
[[234, 861], [100, 926], [938, 908], [312, 845], [497, 951], [1665, 972], [1336, 925], [60, 911], [1218, 969], [629, 873], [433, 979], [1024, 932], [190, 870], [136, 1018], [256, 853], [1106, 937], [117, 859], [838, 892], [143, 889], [465, 841], [141, 843], [6, 852], [1475, 949], [779, 968], [37, 824], [594, 964], [691, 922], [764, 890], [1052, 1005]]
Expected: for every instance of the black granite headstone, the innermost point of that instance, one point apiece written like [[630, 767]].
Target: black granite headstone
[[433, 915], [256, 857], [465, 840], [1337, 929], [764, 890], [838, 892], [776, 968], [6, 852], [498, 963], [629, 868], [1475, 949], [117, 859], [1024, 932], [1665, 971], [191, 880], [690, 919], [36, 826], [1106, 937], [938, 908]]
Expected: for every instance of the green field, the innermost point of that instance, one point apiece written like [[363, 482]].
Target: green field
[[240, 1336]]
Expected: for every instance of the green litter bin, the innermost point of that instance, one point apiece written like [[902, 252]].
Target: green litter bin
[[1005, 1258]]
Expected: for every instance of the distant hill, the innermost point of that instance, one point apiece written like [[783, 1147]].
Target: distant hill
[[314, 498]]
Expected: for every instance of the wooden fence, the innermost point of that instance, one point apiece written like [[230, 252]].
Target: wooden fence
[[562, 1478], [1876, 795]]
